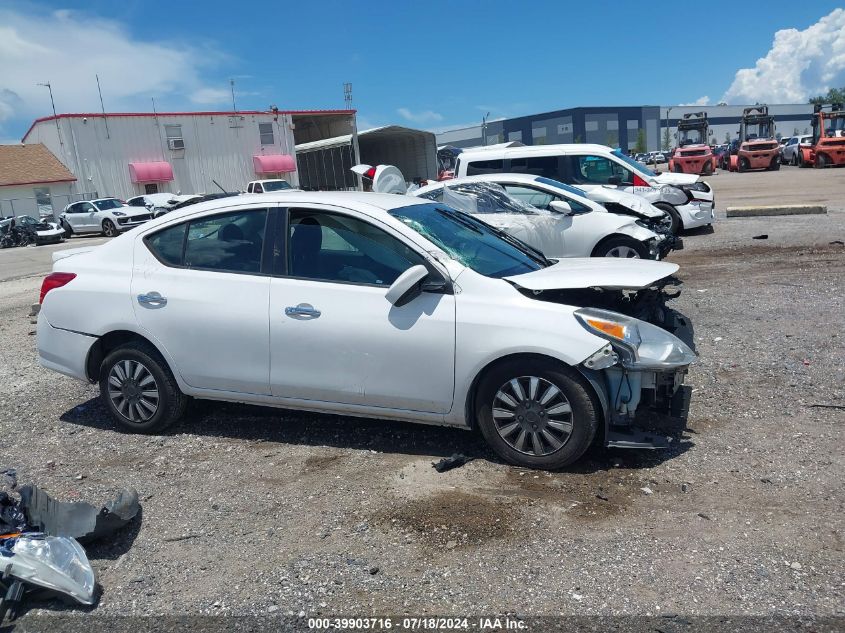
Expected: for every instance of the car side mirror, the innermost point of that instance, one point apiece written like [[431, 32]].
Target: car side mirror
[[407, 287], [561, 206], [614, 180]]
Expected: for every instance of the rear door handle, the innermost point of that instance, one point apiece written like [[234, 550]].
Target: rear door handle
[[152, 300], [302, 310]]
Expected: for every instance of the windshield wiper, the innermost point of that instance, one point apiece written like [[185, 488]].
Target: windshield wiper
[[462, 221]]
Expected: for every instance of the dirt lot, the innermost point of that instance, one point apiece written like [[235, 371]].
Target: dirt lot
[[259, 511]]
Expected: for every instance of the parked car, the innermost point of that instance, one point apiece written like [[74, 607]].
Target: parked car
[[43, 232], [688, 201], [561, 226], [108, 216], [789, 151], [268, 185], [158, 203], [372, 305]]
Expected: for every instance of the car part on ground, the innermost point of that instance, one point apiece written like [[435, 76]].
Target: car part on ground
[[693, 155], [431, 287], [827, 145]]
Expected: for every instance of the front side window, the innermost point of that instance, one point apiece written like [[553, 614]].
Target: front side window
[[469, 241], [226, 242], [338, 248], [542, 199], [598, 170]]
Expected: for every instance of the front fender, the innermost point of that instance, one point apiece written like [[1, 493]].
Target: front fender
[[636, 231]]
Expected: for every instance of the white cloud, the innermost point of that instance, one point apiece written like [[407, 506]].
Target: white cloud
[[425, 116], [800, 64], [701, 101], [68, 48]]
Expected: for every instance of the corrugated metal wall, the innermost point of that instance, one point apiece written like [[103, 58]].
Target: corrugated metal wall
[[218, 147]]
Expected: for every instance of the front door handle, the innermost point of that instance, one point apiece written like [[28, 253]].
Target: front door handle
[[152, 300], [302, 310]]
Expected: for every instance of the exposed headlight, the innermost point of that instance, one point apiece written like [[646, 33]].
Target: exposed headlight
[[696, 186], [119, 214], [640, 345]]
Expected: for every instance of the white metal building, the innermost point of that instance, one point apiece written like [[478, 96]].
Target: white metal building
[[126, 154]]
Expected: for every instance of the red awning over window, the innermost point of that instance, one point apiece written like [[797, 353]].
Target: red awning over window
[[273, 163], [150, 172]]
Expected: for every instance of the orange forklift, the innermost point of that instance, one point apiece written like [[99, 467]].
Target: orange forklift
[[828, 145], [756, 148], [693, 155]]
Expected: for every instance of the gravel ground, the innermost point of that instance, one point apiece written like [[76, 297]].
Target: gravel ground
[[259, 511]]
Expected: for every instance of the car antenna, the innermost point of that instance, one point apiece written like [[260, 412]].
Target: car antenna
[[218, 185]]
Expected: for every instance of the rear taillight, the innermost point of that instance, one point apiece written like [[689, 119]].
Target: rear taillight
[[639, 182], [54, 280], [370, 173]]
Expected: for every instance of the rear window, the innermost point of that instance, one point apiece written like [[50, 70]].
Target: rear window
[[546, 166], [478, 167]]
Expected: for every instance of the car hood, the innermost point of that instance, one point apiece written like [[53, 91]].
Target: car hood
[[670, 178], [595, 272], [632, 201]]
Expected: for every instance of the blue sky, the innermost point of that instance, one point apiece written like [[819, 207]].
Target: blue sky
[[431, 65]]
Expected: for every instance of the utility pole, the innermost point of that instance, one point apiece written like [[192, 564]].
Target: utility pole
[[232, 86], [668, 132], [102, 107], [347, 96], [55, 116], [484, 129]]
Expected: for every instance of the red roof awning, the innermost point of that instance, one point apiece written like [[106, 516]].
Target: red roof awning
[[151, 172], [273, 163]]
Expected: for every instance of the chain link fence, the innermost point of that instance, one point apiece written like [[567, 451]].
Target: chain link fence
[[47, 206]]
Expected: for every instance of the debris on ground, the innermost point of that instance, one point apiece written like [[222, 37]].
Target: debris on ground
[[827, 406], [839, 242], [764, 236], [40, 542], [448, 463]]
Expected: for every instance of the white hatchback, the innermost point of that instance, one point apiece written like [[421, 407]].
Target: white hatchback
[[365, 304]]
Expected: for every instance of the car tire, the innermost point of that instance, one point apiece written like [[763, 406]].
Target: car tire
[[775, 166], [794, 160], [68, 229], [127, 390], [678, 169], [821, 161], [109, 229], [677, 225], [621, 246], [547, 435], [742, 164]]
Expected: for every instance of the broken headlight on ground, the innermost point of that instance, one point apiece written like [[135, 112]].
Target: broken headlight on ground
[[57, 563], [640, 345]]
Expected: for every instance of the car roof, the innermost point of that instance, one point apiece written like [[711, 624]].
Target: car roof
[[580, 148], [506, 177]]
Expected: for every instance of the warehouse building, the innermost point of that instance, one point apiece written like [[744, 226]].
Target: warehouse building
[[617, 126], [128, 154]]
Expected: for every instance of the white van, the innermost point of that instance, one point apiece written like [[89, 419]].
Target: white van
[[689, 201]]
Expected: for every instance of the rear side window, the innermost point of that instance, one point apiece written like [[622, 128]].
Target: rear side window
[[227, 242], [167, 245], [478, 167], [546, 166]]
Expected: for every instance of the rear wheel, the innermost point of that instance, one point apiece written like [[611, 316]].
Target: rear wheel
[[139, 389], [621, 246], [536, 414], [109, 229]]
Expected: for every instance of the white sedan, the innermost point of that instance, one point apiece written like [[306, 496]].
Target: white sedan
[[362, 304], [563, 224], [108, 216]]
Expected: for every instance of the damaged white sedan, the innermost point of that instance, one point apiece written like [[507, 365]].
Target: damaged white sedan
[[371, 305]]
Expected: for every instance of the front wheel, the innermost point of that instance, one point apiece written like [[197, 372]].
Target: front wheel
[[67, 228], [775, 166], [743, 165], [109, 229], [621, 246], [139, 389], [794, 160], [669, 210], [536, 414], [821, 161]]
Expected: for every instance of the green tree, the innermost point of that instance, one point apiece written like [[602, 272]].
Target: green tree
[[640, 147], [667, 139], [834, 95], [578, 139], [795, 131]]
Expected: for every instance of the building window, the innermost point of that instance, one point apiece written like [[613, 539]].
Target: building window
[[265, 130], [174, 136], [515, 136], [43, 200], [150, 187], [613, 124], [591, 126], [538, 135], [633, 124]]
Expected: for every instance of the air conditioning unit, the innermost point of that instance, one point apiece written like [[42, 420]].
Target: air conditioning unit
[[176, 143]]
